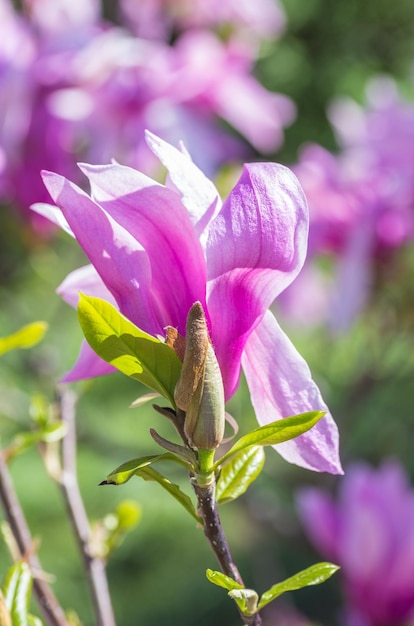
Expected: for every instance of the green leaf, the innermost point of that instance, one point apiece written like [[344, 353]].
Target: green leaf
[[132, 351], [16, 590], [274, 433], [127, 470], [313, 575], [149, 473], [26, 337], [221, 580], [10, 584], [246, 600], [236, 476]]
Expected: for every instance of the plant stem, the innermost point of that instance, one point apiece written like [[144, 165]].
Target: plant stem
[[52, 612], [94, 565], [213, 530]]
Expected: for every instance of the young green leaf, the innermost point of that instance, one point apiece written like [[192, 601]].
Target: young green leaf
[[274, 433], [313, 575], [16, 590], [241, 470], [149, 473], [132, 351], [127, 470], [221, 580], [246, 600], [26, 337], [10, 584]]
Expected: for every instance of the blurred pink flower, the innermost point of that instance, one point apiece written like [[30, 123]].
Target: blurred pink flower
[[361, 201], [160, 18], [156, 249], [369, 532], [73, 87]]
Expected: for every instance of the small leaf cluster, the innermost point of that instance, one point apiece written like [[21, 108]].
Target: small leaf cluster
[[248, 600]]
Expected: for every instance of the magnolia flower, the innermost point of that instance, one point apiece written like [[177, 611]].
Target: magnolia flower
[[369, 532], [155, 250]]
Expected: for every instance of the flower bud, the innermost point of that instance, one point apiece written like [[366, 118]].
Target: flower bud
[[199, 391]]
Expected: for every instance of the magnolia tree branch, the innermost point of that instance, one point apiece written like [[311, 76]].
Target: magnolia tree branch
[[52, 612], [213, 530], [94, 565]]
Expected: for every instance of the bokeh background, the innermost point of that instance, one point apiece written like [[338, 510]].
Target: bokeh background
[[316, 52]]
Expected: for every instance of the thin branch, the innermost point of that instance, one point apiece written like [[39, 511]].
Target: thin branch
[[52, 612], [213, 530], [94, 565]]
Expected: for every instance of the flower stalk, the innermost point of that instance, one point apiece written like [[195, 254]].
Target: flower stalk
[[199, 393], [213, 530]]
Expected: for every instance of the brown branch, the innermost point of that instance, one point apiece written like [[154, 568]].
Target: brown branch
[[213, 531], [94, 565], [52, 612]]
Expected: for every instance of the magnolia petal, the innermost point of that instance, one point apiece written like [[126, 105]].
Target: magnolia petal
[[257, 114], [156, 218], [256, 247], [116, 255], [321, 521], [88, 365], [198, 194], [281, 385], [53, 214], [354, 278], [87, 280]]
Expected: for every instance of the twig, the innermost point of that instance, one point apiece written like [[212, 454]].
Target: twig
[[213, 530], [51, 610], [94, 565]]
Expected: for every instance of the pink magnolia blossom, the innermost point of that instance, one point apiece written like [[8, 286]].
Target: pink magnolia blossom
[[155, 250], [361, 201], [369, 531]]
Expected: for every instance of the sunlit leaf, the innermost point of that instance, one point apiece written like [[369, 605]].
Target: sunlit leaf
[[313, 575], [26, 337], [127, 470], [221, 580], [132, 351], [236, 475], [274, 433], [149, 473]]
